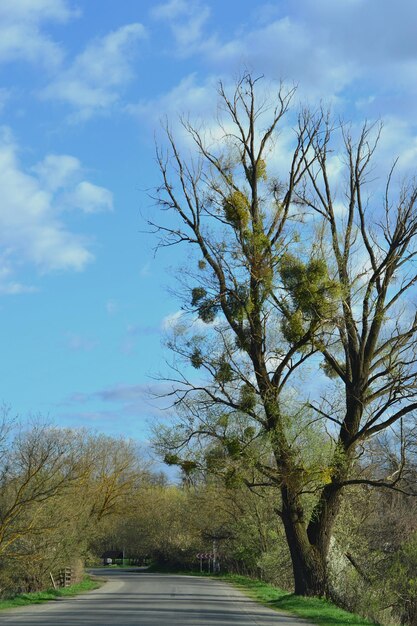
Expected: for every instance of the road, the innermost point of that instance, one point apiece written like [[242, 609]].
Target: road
[[141, 599]]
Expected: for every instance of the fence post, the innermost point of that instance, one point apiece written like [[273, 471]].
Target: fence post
[[68, 576]]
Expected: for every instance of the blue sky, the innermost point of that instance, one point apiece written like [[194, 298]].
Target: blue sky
[[83, 85]]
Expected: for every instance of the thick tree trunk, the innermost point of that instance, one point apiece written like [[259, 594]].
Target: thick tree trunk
[[309, 566], [309, 561], [309, 542]]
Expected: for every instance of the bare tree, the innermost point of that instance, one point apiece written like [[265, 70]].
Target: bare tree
[[40, 465], [290, 272], [60, 481]]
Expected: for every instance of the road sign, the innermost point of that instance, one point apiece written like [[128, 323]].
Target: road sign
[[204, 555]]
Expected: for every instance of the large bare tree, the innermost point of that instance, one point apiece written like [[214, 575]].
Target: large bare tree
[[292, 274]]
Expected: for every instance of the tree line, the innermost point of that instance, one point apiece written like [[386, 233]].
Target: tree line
[[68, 496], [58, 487]]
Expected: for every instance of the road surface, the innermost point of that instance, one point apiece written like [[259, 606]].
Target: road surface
[[141, 599]]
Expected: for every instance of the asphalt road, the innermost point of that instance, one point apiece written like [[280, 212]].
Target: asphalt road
[[142, 599]]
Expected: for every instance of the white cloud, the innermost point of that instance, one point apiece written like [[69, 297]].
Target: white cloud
[[181, 323], [173, 321], [93, 81], [14, 288], [21, 34], [200, 103], [333, 50], [56, 171], [91, 198], [189, 33], [284, 49], [9, 286], [34, 11], [61, 174], [169, 10], [186, 20], [188, 99], [398, 140], [187, 96], [32, 228]]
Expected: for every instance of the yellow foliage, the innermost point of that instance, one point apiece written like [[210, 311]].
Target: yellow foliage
[[326, 475], [236, 209], [261, 170]]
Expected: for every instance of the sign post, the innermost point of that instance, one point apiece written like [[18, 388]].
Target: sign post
[[212, 561]]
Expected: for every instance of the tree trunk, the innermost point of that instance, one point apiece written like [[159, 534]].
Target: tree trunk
[[309, 562], [310, 574]]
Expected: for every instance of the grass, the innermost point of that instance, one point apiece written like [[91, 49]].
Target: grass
[[314, 610], [25, 599]]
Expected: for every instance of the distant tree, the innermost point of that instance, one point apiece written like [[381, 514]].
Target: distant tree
[[290, 272], [38, 467], [57, 487], [114, 470]]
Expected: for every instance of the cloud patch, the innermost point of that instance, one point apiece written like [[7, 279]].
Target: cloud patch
[[22, 37], [186, 20], [332, 50], [93, 81], [141, 400], [32, 218], [62, 175], [91, 198]]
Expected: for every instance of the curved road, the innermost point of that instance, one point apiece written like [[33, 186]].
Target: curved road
[[141, 599]]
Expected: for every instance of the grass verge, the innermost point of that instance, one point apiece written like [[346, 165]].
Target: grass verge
[[24, 599], [313, 610]]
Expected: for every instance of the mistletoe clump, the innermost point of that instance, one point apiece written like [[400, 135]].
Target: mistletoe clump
[[260, 170], [236, 209], [196, 358], [247, 399], [224, 373], [207, 307], [313, 293]]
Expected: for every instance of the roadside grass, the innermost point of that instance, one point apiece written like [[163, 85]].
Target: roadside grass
[[38, 597], [313, 610]]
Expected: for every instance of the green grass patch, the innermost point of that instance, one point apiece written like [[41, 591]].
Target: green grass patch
[[314, 610], [25, 599]]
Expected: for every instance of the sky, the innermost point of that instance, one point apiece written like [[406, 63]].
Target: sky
[[84, 301]]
